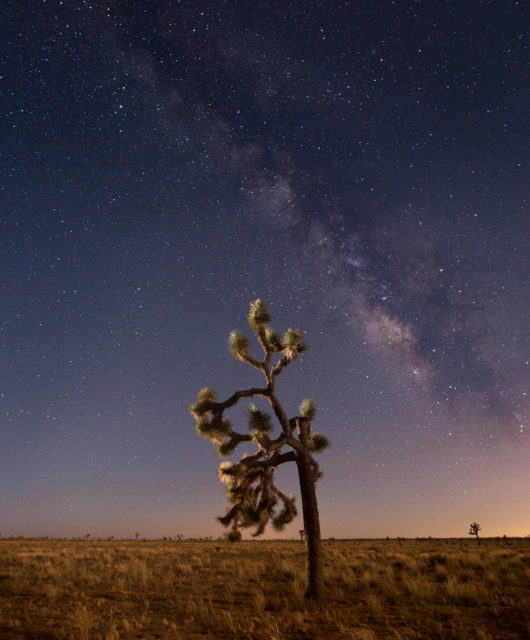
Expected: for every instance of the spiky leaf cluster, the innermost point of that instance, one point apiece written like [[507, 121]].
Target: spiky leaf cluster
[[254, 499], [307, 409], [199, 409], [292, 345], [227, 472], [234, 535], [274, 341], [225, 449], [216, 430], [206, 395], [317, 443], [286, 515], [202, 426], [258, 315], [259, 421], [213, 427], [205, 398], [238, 344], [254, 496]]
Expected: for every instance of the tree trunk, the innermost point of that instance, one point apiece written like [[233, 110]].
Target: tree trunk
[[311, 526]]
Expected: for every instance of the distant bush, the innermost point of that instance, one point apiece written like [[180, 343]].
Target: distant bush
[[436, 558]]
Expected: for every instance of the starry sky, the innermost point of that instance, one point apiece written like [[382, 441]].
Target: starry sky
[[360, 166]]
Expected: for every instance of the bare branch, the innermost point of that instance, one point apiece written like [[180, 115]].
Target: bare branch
[[274, 461], [240, 437], [294, 443], [244, 357], [226, 447], [280, 365], [219, 407], [263, 341], [246, 460], [278, 443], [279, 412], [228, 517], [281, 495], [303, 429]]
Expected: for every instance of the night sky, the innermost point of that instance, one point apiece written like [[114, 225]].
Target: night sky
[[360, 166]]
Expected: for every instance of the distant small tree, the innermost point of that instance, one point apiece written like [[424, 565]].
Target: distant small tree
[[474, 528], [249, 482], [302, 535], [137, 535]]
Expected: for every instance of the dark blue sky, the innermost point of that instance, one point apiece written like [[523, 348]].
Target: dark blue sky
[[363, 167]]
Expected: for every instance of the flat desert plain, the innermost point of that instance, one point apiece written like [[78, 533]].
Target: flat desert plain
[[253, 590]]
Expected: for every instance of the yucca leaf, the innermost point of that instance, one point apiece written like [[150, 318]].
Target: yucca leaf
[[225, 449], [286, 515], [259, 420], [207, 395], [307, 409], [318, 443], [292, 345], [232, 536], [250, 517], [223, 428], [199, 409], [226, 468], [258, 315], [203, 426], [291, 338], [238, 344], [273, 339]]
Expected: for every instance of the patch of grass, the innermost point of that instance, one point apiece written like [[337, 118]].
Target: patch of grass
[[399, 590]]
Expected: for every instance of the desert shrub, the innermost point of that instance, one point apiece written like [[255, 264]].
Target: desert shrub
[[436, 559]]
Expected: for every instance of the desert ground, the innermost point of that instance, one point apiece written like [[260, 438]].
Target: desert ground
[[253, 590]]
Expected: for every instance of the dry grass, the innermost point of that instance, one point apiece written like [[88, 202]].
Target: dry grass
[[401, 590]]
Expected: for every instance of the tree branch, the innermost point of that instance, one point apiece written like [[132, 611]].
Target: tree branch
[[269, 350], [263, 340], [246, 460], [240, 437], [280, 365], [274, 461], [281, 495], [251, 361], [278, 443], [228, 517], [303, 429], [219, 407], [279, 411], [294, 443]]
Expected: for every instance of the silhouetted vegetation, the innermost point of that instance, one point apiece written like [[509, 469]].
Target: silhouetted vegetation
[[250, 482], [474, 528]]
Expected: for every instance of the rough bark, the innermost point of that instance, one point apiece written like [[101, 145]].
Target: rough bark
[[311, 526]]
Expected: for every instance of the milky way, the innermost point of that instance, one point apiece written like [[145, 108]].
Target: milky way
[[363, 169]]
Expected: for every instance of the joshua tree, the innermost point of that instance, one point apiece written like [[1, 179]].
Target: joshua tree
[[249, 482], [474, 528]]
